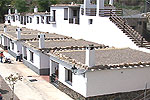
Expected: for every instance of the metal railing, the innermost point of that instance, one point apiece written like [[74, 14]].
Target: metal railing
[[127, 29], [102, 12]]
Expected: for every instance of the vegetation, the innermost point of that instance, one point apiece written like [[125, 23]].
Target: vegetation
[[4, 5], [20, 5], [13, 79], [43, 5]]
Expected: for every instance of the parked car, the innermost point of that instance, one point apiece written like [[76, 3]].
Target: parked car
[[1, 96]]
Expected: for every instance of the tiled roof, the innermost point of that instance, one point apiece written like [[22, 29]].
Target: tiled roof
[[66, 5], [107, 58], [29, 34], [50, 44], [37, 13]]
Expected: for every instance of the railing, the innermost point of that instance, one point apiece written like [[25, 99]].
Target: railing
[[74, 20], [102, 12], [127, 29], [91, 11], [109, 12]]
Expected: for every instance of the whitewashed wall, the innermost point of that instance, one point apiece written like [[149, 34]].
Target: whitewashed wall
[[36, 58], [102, 30], [78, 81], [44, 61], [40, 60], [114, 81]]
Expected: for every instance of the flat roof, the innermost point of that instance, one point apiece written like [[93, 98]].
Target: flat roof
[[27, 34], [66, 5], [63, 43], [110, 56]]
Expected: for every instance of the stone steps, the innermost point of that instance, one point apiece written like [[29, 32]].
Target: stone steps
[[129, 32]]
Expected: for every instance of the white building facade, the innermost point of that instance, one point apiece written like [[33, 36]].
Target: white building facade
[[90, 21]]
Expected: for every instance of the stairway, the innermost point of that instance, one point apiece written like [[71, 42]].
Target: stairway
[[136, 37]]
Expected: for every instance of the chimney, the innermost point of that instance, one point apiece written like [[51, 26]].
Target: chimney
[[111, 2], [5, 28], [90, 56], [100, 5], [16, 11], [9, 11], [35, 10], [41, 41], [18, 32]]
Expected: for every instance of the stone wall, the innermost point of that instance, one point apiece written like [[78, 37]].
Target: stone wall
[[70, 92], [119, 96], [116, 96]]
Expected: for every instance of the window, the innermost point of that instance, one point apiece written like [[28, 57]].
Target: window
[[19, 17], [42, 19], [16, 18], [90, 21], [30, 20], [31, 56], [25, 52], [37, 20], [54, 16], [12, 45], [65, 13], [27, 19], [13, 17], [48, 19], [68, 76]]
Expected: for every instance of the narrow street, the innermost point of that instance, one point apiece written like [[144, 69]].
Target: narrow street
[[28, 89]]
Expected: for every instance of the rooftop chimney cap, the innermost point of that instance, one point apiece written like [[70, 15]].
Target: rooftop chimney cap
[[18, 29], [72, 3], [90, 47], [40, 34]]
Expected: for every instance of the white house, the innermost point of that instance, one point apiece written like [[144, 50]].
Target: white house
[[34, 57], [81, 71], [91, 21], [94, 74], [12, 37]]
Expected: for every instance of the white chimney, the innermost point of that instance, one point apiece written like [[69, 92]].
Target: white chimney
[[18, 32], [111, 2], [90, 56], [41, 41], [9, 11], [16, 11], [100, 5], [5, 28], [35, 10]]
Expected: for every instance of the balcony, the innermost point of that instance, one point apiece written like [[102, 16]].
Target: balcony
[[102, 12]]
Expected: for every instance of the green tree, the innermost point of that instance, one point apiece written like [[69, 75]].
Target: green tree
[[4, 5], [43, 5], [20, 5], [54, 1]]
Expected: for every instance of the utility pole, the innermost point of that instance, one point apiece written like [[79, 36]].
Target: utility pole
[[145, 92], [145, 6]]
